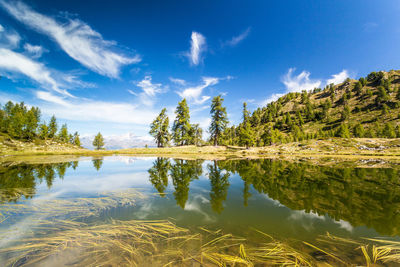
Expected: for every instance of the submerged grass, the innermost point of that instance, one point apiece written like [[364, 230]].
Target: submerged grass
[[60, 234]]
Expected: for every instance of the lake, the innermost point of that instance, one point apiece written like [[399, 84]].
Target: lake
[[126, 211]]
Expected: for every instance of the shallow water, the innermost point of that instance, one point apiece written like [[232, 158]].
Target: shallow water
[[290, 201]]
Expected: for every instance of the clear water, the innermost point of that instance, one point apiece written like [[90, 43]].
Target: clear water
[[287, 200]]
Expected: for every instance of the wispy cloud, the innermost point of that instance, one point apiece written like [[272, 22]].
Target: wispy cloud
[[197, 47], [35, 51], [87, 110], [177, 81], [237, 39], [9, 38], [194, 93], [300, 82], [338, 78], [76, 38], [293, 83], [149, 90], [11, 62]]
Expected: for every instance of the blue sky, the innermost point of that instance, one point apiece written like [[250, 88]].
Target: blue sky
[[111, 66]]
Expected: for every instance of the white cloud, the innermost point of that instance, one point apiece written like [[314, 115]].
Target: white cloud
[[338, 78], [197, 47], [47, 96], [1, 28], [294, 84], [149, 90], [13, 39], [177, 81], [193, 94], [86, 110], [271, 98], [76, 38], [15, 62], [237, 39], [300, 82], [35, 51]]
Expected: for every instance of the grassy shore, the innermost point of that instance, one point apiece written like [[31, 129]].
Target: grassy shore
[[354, 149]]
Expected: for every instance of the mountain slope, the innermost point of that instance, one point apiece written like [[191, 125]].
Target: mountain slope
[[368, 107]]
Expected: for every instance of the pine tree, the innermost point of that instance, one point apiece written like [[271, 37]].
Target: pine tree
[[358, 131], [159, 129], [196, 135], [98, 141], [75, 140], [63, 134], [219, 119], [181, 126], [343, 131], [43, 131], [389, 131], [53, 128], [246, 133]]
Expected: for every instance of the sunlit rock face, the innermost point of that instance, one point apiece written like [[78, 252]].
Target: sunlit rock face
[[122, 141]]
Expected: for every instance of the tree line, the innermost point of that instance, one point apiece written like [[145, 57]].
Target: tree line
[[275, 124], [23, 123]]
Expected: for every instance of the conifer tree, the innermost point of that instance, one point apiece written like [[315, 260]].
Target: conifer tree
[[98, 141], [181, 126], [343, 131], [53, 127], [76, 140], [358, 131], [219, 119], [246, 133], [43, 131], [63, 135], [196, 135], [159, 129]]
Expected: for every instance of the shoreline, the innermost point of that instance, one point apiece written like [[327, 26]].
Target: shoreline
[[361, 152]]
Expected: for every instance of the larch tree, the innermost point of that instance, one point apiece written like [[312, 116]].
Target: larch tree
[[52, 127], [98, 141], [76, 140], [159, 129], [63, 135], [246, 133], [181, 126], [219, 119]]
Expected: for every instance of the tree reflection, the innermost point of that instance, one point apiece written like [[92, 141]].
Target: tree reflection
[[219, 180], [97, 163], [20, 180], [159, 174], [182, 173]]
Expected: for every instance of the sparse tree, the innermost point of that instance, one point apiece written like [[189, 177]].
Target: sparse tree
[[63, 134], [181, 126], [159, 129], [76, 140], [53, 127], [98, 141], [219, 119]]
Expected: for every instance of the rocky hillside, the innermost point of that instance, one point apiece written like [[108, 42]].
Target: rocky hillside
[[368, 107]]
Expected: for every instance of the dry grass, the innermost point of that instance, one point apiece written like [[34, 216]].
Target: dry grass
[[61, 234]]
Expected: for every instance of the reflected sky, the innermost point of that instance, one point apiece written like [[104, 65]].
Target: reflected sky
[[273, 196]]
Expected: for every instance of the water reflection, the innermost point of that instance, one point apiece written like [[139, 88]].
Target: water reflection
[[20, 180], [358, 196], [97, 163]]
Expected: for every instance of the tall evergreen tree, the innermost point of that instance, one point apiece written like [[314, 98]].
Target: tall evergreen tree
[[53, 127], [159, 129], [219, 119], [76, 140], [63, 134], [181, 126], [246, 133], [196, 135], [98, 141]]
